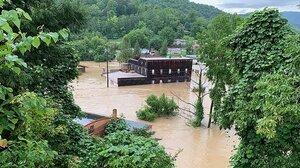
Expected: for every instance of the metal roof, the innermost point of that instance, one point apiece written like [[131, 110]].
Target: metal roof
[[165, 58]]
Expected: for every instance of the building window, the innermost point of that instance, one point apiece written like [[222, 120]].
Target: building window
[[153, 72], [161, 71], [170, 71], [186, 70], [178, 71]]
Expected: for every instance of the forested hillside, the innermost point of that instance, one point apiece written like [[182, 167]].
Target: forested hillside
[[115, 18], [138, 24]]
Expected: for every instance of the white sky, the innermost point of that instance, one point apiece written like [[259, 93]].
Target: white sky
[[245, 6]]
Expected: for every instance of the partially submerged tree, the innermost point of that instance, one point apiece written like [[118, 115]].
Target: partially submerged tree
[[216, 55], [157, 106]]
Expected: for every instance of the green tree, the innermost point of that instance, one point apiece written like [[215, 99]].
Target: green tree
[[90, 47], [137, 50], [141, 36], [189, 44], [156, 43], [164, 48], [51, 68], [198, 26], [199, 114], [156, 107], [215, 54], [126, 51], [168, 34], [26, 118], [264, 103]]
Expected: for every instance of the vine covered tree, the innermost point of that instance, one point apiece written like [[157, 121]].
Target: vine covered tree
[[264, 103]]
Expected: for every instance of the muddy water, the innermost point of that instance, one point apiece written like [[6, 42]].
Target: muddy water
[[201, 147]]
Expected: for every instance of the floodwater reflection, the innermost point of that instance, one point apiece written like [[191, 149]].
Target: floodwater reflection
[[201, 147]]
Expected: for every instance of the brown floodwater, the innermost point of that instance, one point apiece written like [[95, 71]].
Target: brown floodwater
[[201, 147]]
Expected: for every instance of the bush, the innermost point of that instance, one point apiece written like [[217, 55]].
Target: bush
[[156, 107], [143, 132], [115, 125], [146, 114], [124, 149]]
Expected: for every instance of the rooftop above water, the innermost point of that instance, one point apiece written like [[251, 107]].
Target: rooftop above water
[[165, 58]]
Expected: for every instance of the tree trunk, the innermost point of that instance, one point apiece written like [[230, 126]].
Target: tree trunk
[[210, 113]]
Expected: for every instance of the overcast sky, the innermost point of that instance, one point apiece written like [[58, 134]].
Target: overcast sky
[[245, 6]]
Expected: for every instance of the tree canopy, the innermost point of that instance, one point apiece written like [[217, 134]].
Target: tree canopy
[[115, 18], [263, 104]]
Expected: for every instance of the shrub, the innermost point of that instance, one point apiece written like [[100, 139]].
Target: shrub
[[143, 132], [146, 114], [115, 125], [156, 107], [124, 149]]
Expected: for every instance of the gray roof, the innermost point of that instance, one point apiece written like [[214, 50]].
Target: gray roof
[[165, 58]]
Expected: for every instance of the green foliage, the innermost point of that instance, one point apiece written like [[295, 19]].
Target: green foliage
[[167, 34], [144, 132], [26, 119], [189, 44], [90, 46], [126, 51], [146, 114], [164, 48], [34, 79], [156, 107], [115, 125], [137, 50], [25, 153], [264, 103], [116, 18], [140, 36], [156, 42], [124, 149], [199, 115], [216, 55]]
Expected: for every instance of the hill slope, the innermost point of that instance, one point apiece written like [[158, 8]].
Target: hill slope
[[185, 6], [115, 18]]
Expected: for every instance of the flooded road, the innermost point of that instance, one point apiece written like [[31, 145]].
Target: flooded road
[[201, 147]]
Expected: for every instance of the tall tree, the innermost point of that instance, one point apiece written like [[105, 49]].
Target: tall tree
[[137, 50], [215, 54], [164, 48], [126, 51], [264, 104], [142, 36], [168, 34]]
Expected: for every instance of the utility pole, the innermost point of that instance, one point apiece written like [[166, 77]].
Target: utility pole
[[107, 77]]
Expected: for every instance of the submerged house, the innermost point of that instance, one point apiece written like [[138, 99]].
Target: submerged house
[[95, 124], [155, 70]]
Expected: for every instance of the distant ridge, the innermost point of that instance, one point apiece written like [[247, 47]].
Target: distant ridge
[[292, 17]]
